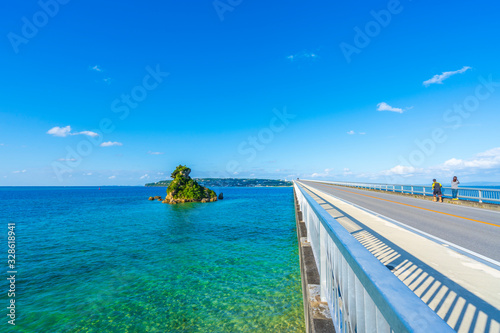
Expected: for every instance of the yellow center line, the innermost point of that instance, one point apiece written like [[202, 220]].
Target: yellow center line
[[430, 210]]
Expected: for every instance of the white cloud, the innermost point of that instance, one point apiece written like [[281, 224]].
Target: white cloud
[[439, 78], [112, 177], [351, 132], [304, 55], [383, 106], [2, 144], [60, 131], [489, 159], [87, 174], [484, 161], [347, 171], [145, 176], [453, 162], [401, 170], [65, 131], [155, 153], [110, 144], [88, 133], [98, 69], [19, 171], [362, 133], [67, 159], [495, 152], [322, 174]]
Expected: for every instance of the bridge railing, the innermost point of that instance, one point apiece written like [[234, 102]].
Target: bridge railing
[[464, 193], [362, 294]]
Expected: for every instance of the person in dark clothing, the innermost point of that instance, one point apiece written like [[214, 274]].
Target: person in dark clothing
[[436, 190]]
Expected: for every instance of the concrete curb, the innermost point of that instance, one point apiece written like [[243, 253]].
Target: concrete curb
[[316, 313]]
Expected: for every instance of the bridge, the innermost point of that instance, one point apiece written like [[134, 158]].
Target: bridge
[[385, 262]]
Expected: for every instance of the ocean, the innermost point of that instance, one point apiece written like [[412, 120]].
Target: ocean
[[109, 260]]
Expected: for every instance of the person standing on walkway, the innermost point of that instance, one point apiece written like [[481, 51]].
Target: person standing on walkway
[[454, 188], [436, 190]]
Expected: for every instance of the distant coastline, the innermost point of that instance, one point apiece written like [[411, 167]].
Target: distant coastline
[[231, 182]]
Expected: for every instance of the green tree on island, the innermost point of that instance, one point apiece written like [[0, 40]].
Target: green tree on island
[[185, 189]]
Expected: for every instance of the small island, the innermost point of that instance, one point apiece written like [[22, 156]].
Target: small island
[[185, 189]]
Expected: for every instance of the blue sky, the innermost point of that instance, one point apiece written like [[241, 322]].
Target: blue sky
[[381, 91]]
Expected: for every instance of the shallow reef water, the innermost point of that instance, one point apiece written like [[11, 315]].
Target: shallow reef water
[[109, 260]]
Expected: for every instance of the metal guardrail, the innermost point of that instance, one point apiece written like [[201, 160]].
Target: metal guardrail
[[362, 294], [464, 193]]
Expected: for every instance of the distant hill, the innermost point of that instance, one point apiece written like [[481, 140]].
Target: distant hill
[[230, 182], [162, 183]]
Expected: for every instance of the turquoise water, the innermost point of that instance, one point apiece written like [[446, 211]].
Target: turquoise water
[[109, 260]]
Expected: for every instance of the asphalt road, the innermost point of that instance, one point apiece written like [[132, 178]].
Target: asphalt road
[[468, 227]]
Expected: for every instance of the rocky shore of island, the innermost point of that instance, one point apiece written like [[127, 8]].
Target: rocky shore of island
[[185, 189]]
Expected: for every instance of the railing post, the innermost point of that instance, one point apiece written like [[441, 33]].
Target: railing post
[[480, 196], [308, 223], [322, 272], [412, 190], [423, 190]]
